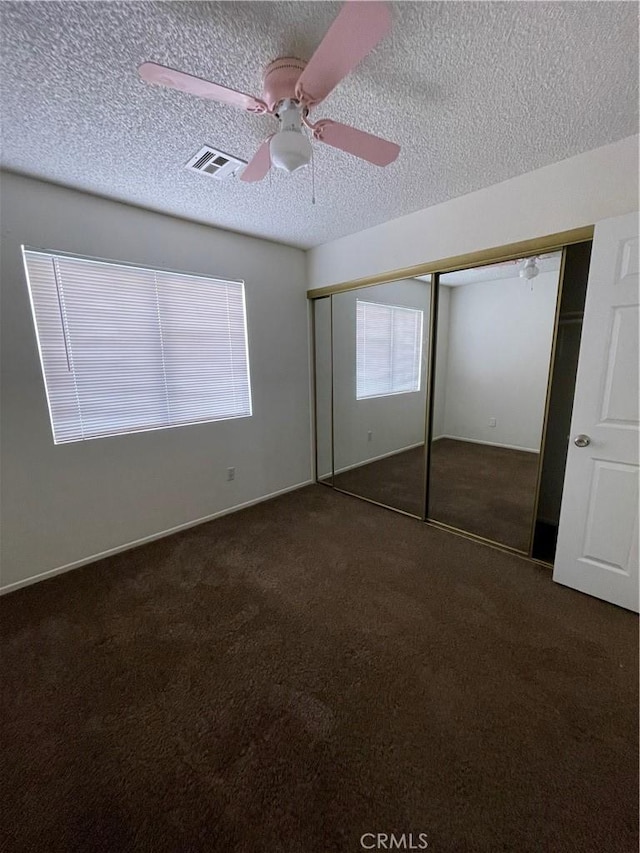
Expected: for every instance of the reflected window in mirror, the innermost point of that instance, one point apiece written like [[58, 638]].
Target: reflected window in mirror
[[388, 349], [380, 343]]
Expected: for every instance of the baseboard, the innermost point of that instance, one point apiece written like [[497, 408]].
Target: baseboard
[[489, 443], [137, 542], [378, 458]]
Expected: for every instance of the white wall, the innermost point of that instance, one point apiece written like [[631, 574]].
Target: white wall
[[396, 421], [572, 193], [65, 504], [500, 336]]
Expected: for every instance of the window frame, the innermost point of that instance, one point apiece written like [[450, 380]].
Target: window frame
[[52, 253]]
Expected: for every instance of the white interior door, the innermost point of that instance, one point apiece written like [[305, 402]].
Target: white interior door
[[597, 549]]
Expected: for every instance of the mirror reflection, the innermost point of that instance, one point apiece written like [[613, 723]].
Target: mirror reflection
[[494, 333], [380, 345]]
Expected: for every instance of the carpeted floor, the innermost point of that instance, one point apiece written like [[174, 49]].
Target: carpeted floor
[[290, 677], [485, 490], [396, 481]]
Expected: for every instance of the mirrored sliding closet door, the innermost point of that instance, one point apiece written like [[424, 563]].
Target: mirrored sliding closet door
[[447, 396], [380, 349], [323, 390], [495, 331]]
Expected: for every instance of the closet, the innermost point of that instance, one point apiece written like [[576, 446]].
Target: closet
[[445, 392]]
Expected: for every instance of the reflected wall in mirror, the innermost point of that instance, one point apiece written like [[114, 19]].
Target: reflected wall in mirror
[[495, 336], [323, 397], [380, 346]]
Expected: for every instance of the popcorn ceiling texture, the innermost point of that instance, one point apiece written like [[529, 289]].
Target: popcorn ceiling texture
[[475, 93]]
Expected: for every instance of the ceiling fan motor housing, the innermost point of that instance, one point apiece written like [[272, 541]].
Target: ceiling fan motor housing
[[279, 81]]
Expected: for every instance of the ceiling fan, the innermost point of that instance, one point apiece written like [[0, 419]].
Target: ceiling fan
[[291, 88]]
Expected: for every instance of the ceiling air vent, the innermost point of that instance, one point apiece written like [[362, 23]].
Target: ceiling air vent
[[216, 164]]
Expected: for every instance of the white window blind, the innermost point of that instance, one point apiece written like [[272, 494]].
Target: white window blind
[[388, 349], [126, 349]]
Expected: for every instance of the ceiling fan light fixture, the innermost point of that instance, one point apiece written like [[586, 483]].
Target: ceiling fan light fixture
[[290, 150], [529, 269]]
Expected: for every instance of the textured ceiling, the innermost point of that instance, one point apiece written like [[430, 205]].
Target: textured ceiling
[[475, 93]]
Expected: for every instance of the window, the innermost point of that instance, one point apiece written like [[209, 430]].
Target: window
[[126, 349], [388, 349]]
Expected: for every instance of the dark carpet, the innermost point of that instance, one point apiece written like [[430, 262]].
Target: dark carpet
[[489, 491], [396, 481], [485, 490], [308, 670]]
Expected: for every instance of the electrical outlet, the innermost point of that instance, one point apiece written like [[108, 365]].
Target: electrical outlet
[[369, 436], [231, 474], [492, 422]]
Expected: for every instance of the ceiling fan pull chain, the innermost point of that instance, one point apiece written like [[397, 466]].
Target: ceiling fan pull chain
[[313, 177]]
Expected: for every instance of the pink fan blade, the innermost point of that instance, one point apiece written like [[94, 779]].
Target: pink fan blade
[[354, 33], [163, 76], [364, 145], [259, 165]]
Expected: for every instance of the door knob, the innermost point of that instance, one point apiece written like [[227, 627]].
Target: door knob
[[582, 441]]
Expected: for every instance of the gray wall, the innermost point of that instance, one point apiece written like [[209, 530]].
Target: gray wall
[[68, 503], [397, 421]]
